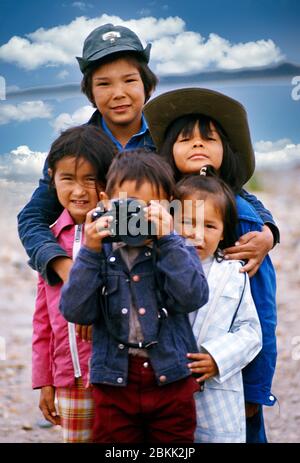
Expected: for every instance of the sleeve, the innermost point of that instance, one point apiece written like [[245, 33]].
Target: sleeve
[[234, 349], [79, 302], [33, 225], [41, 341], [183, 277], [264, 213]]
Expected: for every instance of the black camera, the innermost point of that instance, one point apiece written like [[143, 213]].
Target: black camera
[[129, 224]]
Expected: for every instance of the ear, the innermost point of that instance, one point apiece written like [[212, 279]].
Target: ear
[[104, 199], [50, 173]]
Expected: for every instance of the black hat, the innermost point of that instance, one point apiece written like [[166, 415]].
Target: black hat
[[108, 39], [161, 111]]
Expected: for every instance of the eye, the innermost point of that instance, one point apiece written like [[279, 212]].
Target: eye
[[183, 139], [102, 84]]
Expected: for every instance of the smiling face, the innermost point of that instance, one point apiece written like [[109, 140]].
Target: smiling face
[[75, 185], [191, 152], [213, 225], [119, 94]]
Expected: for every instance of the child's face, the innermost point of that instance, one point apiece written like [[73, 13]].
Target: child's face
[[119, 94], [145, 193], [76, 186], [193, 152], [213, 226]]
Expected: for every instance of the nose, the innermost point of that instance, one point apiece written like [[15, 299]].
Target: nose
[[78, 189], [118, 90], [198, 142]]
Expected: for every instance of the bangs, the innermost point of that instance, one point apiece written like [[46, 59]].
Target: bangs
[[193, 120]]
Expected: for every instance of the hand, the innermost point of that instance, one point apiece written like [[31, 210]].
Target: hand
[[251, 409], [253, 247], [203, 363], [95, 232], [47, 406], [163, 221], [84, 332], [62, 266]]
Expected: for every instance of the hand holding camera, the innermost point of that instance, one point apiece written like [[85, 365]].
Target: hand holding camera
[[96, 231]]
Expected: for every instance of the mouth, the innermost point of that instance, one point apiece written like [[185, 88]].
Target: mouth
[[121, 108], [78, 202], [198, 156]]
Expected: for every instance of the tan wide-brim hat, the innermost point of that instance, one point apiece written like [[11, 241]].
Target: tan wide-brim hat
[[161, 111]]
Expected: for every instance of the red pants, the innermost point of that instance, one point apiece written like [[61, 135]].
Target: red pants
[[144, 412]]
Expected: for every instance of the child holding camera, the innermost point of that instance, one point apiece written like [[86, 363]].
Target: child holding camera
[[137, 297], [78, 161]]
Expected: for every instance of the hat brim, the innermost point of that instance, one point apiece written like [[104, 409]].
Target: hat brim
[[161, 111], [84, 64]]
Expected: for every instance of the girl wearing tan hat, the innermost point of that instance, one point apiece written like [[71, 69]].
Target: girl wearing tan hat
[[196, 127]]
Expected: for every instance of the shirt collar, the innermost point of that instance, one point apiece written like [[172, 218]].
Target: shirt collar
[[63, 221], [143, 130]]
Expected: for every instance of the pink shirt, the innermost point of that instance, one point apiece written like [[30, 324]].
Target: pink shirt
[[57, 354]]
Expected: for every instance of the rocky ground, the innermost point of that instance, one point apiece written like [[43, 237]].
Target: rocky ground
[[20, 418]]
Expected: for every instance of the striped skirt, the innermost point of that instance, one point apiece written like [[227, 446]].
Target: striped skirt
[[76, 410]]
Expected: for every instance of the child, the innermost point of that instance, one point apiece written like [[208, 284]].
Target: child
[[142, 387], [227, 329], [197, 127], [117, 81], [78, 162]]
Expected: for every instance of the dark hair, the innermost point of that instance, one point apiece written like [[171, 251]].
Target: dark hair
[[212, 186], [148, 77], [231, 170], [141, 166], [87, 142]]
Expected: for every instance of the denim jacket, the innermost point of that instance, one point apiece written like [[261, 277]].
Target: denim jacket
[[258, 375], [184, 287], [43, 209]]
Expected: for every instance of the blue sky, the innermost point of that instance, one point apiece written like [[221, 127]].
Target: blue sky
[[39, 40]]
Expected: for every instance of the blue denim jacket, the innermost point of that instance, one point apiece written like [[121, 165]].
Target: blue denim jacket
[[185, 288], [258, 375], [44, 209]]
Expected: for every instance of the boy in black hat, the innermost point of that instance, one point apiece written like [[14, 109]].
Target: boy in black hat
[[117, 81]]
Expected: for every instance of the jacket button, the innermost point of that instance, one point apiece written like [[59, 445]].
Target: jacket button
[[142, 311], [120, 380], [136, 278], [163, 379], [145, 364], [112, 259], [121, 346], [124, 311], [271, 398]]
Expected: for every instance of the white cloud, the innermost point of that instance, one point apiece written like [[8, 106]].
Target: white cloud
[[25, 111], [175, 50], [66, 120], [275, 155], [63, 74], [22, 164], [81, 5]]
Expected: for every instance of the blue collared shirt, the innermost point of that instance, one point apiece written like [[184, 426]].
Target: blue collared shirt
[[136, 141]]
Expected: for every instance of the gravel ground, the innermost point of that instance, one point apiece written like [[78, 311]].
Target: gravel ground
[[20, 418]]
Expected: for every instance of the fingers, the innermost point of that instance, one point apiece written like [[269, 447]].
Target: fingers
[[49, 411], [89, 333], [84, 332], [251, 267]]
